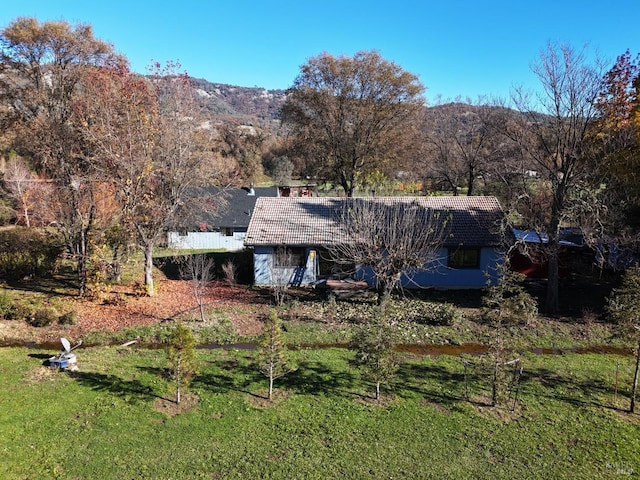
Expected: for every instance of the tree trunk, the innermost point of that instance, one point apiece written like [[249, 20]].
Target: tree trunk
[[634, 388], [377, 390], [178, 381], [494, 387], [81, 263], [270, 387], [27, 220], [383, 296], [471, 180], [552, 299], [148, 269]]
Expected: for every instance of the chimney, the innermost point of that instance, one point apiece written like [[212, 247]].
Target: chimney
[[252, 192]]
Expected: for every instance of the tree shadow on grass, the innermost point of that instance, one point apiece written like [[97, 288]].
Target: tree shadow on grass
[[433, 382], [585, 393], [313, 377], [58, 285], [308, 378], [130, 390], [233, 376]]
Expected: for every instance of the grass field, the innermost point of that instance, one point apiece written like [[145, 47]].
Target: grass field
[[111, 419]]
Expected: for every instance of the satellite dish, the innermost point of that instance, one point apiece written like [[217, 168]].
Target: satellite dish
[[66, 344]]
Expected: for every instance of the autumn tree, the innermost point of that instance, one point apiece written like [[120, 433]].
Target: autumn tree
[[392, 236], [241, 145], [271, 358], [554, 130], [348, 116], [41, 67], [618, 140], [150, 139]]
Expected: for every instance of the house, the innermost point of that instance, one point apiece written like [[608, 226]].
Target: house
[[224, 229], [290, 236], [307, 190], [530, 258]]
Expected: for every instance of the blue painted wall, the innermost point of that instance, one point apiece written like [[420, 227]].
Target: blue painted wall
[[266, 273], [438, 276]]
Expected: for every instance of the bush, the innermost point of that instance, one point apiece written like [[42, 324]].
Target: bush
[[6, 304], [69, 318], [19, 311], [28, 252], [441, 314], [43, 317], [508, 301], [229, 272]]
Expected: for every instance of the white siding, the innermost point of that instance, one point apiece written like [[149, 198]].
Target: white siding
[[206, 241]]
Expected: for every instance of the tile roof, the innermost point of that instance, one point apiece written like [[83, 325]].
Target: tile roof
[[315, 221]]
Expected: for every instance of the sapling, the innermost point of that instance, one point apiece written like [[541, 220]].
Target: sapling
[[374, 345], [181, 356], [272, 358], [623, 306]]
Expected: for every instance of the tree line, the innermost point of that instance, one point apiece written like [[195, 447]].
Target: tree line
[[111, 158]]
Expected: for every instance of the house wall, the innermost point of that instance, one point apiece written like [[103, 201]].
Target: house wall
[[266, 273], [440, 276], [206, 241]]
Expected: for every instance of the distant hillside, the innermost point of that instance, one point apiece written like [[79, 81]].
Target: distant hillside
[[222, 99]]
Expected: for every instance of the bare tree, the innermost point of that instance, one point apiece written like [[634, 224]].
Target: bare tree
[[439, 153], [282, 270], [19, 182], [461, 144], [199, 269], [554, 130], [392, 236]]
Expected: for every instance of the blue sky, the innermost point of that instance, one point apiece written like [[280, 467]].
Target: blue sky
[[456, 47]]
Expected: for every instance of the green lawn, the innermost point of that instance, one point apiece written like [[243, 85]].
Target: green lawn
[[101, 422]]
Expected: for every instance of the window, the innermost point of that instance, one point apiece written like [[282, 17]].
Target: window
[[290, 257], [464, 258], [226, 231]]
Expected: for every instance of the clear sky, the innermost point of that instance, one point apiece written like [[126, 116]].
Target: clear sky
[[456, 47]]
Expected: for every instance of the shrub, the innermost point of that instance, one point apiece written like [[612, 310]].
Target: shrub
[[43, 317], [230, 272], [508, 301], [442, 314], [19, 311], [6, 304], [28, 251], [69, 318]]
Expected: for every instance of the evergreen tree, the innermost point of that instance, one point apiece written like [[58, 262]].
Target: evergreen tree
[[181, 356], [374, 345], [272, 359], [623, 307]]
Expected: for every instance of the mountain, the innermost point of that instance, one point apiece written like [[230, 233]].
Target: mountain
[[245, 103]]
